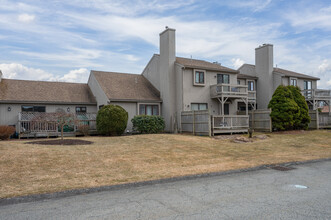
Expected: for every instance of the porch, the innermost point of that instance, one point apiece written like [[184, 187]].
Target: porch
[[46, 124], [203, 123], [314, 96]]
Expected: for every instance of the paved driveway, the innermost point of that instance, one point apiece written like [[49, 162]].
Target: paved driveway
[[263, 194]]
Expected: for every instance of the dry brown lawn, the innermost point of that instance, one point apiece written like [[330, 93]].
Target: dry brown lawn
[[30, 169]]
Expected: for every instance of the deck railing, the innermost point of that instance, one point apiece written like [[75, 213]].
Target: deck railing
[[228, 90], [47, 122], [252, 96], [316, 93], [234, 122]]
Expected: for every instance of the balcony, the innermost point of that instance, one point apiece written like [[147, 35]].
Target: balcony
[[232, 91], [228, 90], [317, 94]]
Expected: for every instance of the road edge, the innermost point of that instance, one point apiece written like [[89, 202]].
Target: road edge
[[74, 192]]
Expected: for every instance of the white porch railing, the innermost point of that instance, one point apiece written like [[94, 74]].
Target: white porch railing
[[230, 122], [47, 122], [316, 93], [228, 90]]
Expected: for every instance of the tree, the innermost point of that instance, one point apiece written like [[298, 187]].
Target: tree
[[284, 110], [65, 119], [303, 119], [111, 120]]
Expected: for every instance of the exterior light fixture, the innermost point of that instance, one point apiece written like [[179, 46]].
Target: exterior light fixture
[[9, 108], [68, 109]]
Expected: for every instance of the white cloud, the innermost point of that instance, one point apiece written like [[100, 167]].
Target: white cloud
[[237, 62], [18, 71], [79, 75], [26, 18], [325, 66], [310, 18]]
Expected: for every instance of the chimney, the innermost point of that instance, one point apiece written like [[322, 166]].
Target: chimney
[[264, 65], [167, 76]]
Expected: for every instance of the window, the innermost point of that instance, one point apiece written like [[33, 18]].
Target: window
[[307, 87], [223, 78], [250, 86], [199, 106], [293, 82], [100, 106], [148, 109], [238, 81], [33, 108], [80, 109], [199, 77]]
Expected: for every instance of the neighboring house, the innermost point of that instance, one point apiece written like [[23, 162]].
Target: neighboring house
[[131, 91], [22, 96], [167, 86], [270, 77]]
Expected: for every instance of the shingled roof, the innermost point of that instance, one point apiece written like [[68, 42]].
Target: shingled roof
[[244, 76], [125, 86], [26, 91], [201, 64], [294, 74], [287, 73]]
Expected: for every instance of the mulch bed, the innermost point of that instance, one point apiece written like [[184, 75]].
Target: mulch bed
[[61, 142]]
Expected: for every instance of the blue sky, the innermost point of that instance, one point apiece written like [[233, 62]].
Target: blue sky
[[64, 40]]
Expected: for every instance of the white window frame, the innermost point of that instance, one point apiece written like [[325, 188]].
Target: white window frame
[[204, 77], [195, 103], [296, 81], [254, 86], [148, 103]]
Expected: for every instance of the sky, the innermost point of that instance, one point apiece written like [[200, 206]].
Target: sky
[[63, 40]]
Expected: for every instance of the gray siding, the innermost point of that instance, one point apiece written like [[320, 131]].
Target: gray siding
[[151, 71], [201, 94], [97, 91], [11, 117]]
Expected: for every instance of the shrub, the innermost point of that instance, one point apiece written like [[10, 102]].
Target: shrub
[[303, 119], [284, 110], [6, 132], [148, 124], [83, 128], [111, 120]]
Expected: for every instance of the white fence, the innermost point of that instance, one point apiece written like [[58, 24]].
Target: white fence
[[47, 124]]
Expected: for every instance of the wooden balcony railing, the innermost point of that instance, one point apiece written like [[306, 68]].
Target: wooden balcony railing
[[252, 96], [322, 94], [228, 90]]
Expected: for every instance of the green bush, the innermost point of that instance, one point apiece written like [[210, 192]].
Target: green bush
[[111, 120], [148, 124], [303, 119], [284, 110]]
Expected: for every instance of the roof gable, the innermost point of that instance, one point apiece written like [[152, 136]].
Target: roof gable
[[201, 64], [125, 86]]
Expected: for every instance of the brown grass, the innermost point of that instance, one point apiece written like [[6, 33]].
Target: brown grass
[[30, 169]]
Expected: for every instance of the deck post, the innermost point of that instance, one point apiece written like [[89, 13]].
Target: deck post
[[193, 123], [317, 120]]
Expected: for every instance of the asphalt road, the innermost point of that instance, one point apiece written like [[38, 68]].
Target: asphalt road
[[263, 194]]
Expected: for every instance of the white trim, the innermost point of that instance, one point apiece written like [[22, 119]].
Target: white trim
[[204, 77], [148, 103]]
